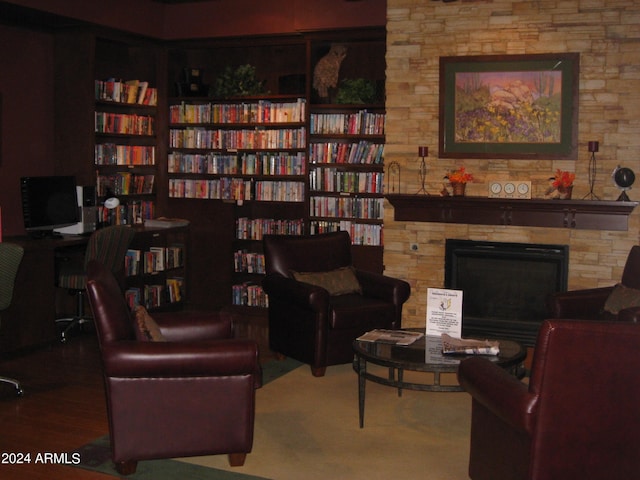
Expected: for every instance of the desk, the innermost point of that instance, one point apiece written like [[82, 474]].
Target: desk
[[30, 320]]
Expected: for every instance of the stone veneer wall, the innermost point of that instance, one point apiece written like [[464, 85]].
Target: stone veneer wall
[[607, 36]]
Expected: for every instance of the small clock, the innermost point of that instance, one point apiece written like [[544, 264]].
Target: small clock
[[509, 188], [524, 189], [495, 189]]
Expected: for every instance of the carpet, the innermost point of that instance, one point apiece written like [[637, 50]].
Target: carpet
[[307, 428]]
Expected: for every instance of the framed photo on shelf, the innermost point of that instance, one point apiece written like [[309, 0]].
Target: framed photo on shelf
[[509, 106]]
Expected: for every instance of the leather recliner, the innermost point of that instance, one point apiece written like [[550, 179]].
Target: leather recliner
[[193, 394], [588, 304], [577, 419], [306, 322]]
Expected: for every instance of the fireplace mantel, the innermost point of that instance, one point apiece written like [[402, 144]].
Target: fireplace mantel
[[579, 214]]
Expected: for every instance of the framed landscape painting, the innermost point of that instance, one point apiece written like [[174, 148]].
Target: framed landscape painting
[[509, 106]]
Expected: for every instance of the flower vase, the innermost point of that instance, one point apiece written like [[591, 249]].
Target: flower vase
[[458, 189], [564, 193]]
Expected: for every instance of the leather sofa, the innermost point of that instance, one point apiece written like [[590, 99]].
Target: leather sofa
[[577, 419], [589, 304], [314, 324], [193, 393]]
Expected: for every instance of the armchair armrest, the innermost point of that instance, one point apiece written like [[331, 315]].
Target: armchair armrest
[[631, 314], [194, 326], [302, 294], [586, 304], [391, 289], [499, 391], [135, 359]]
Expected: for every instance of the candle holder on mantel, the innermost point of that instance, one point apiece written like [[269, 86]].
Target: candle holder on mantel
[[593, 147], [423, 152], [393, 177]]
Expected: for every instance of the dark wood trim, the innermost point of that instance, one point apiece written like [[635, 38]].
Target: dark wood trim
[[579, 214]]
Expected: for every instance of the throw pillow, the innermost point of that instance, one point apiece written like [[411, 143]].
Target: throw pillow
[[147, 330], [622, 297], [337, 282]]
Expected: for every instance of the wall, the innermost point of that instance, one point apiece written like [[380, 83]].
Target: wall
[[607, 36], [217, 18], [26, 143]]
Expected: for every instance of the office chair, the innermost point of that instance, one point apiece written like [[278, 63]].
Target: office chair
[[108, 246], [10, 258]]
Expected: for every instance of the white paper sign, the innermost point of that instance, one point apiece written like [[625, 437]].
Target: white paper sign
[[444, 312]]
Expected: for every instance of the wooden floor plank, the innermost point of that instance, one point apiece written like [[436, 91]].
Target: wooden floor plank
[[63, 408]]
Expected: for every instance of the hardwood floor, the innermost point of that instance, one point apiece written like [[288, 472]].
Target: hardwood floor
[[62, 408]]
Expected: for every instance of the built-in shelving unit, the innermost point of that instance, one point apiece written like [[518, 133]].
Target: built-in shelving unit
[[125, 149], [346, 141], [346, 176], [155, 267], [249, 150]]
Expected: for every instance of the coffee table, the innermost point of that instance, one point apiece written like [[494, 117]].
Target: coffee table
[[424, 355]]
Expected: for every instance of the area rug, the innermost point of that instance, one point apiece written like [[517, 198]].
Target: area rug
[[307, 428]]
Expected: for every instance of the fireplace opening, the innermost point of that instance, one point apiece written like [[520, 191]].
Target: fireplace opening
[[505, 285]]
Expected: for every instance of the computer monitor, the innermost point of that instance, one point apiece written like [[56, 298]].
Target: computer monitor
[[48, 202]]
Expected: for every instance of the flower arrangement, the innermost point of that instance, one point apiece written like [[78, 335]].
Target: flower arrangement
[[459, 176], [563, 179]]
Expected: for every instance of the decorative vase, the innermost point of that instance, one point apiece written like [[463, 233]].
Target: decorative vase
[[458, 189], [564, 193]]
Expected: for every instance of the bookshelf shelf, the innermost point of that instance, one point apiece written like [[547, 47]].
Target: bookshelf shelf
[[156, 268]]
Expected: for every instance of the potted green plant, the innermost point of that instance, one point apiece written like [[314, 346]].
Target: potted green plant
[[238, 82], [356, 91]]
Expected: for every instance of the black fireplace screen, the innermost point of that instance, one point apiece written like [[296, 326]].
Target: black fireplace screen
[[505, 285]]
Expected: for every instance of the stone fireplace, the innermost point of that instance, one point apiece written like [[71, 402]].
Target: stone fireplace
[[505, 285]]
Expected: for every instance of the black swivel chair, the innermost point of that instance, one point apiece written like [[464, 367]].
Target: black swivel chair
[[10, 259], [108, 246]]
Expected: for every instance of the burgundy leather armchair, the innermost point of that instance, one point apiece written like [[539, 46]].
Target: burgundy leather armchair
[[577, 419], [305, 321], [588, 304], [193, 394]]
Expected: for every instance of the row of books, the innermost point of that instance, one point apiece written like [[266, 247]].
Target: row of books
[[113, 154], [249, 262], [256, 228], [360, 123], [362, 152], [346, 207], [226, 188], [334, 180], [156, 295], [156, 259], [249, 294], [248, 139], [229, 188], [124, 183], [130, 92], [124, 123], [133, 212], [262, 111], [279, 191], [262, 163], [361, 233]]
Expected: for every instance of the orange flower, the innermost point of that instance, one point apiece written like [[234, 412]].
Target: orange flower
[[563, 179], [459, 176]]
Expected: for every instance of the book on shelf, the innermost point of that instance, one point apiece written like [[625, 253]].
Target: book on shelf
[[174, 289], [395, 337], [132, 262]]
